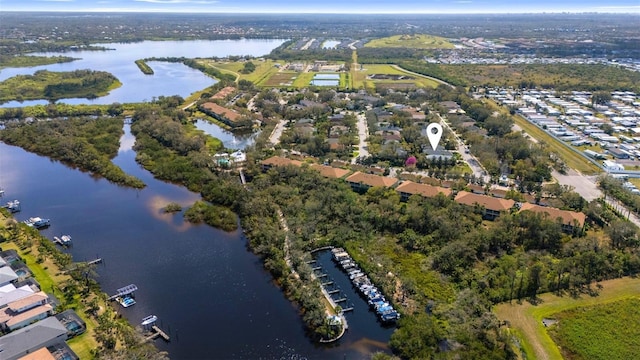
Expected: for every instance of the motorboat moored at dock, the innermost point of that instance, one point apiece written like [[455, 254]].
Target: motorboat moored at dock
[[376, 300], [126, 301], [13, 206], [62, 240], [37, 222]]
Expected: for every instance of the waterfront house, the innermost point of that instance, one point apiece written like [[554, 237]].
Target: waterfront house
[[492, 207], [57, 352], [361, 182], [7, 276], [10, 320], [44, 333], [9, 293], [221, 113], [571, 221], [409, 188]]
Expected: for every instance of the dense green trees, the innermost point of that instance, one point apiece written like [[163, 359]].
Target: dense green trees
[[87, 143], [216, 216], [49, 85]]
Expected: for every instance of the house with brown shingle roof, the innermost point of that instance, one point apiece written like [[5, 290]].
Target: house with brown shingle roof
[[278, 161], [492, 206], [476, 189], [409, 188], [221, 113], [223, 92], [571, 220], [362, 182], [330, 171], [499, 193]]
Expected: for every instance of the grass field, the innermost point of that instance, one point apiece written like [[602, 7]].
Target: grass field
[[418, 41], [360, 80], [526, 320], [303, 79], [600, 332], [264, 69], [283, 78]]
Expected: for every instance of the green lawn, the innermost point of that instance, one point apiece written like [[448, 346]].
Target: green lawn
[[600, 332], [525, 319], [418, 41], [360, 80], [264, 69]]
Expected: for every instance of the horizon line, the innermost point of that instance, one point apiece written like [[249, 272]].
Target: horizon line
[[311, 12]]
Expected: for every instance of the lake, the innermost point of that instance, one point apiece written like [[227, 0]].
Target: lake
[[231, 140], [168, 78], [207, 289]]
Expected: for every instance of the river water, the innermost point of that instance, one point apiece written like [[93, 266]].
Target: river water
[[168, 78], [208, 290]]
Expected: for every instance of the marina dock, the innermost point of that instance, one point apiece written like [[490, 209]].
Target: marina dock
[[360, 281]]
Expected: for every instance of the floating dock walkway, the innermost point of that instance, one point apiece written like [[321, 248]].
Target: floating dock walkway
[[124, 291]]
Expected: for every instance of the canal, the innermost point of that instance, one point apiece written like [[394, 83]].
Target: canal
[[207, 289]]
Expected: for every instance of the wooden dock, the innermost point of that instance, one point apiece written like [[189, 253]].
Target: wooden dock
[[129, 289], [157, 332], [96, 261]]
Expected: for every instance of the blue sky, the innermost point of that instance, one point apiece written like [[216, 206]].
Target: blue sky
[[327, 6]]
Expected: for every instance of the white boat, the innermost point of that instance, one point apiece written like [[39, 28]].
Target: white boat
[[13, 206], [66, 239], [149, 320], [126, 301], [37, 222]]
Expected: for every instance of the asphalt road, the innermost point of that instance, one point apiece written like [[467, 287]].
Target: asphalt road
[[274, 138], [363, 134], [474, 164]]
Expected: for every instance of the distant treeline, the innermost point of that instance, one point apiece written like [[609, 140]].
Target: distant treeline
[[371, 55], [284, 52], [23, 61]]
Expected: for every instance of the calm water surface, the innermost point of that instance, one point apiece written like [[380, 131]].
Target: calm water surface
[[207, 289], [168, 78], [236, 141]]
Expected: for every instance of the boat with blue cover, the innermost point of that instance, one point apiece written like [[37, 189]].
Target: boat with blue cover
[[126, 301]]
